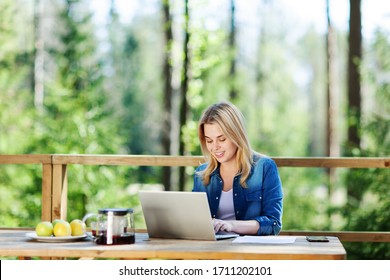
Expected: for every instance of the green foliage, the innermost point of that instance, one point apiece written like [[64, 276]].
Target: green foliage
[[76, 118], [20, 195], [19, 185], [305, 202], [365, 211], [15, 114], [78, 102]]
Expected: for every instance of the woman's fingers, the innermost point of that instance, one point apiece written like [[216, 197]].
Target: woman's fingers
[[220, 225]]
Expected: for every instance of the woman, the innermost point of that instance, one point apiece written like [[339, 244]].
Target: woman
[[243, 187]]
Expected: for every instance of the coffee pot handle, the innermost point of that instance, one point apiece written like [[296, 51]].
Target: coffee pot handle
[[90, 225]]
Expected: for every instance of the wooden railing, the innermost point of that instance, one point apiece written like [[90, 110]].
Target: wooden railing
[[55, 186]]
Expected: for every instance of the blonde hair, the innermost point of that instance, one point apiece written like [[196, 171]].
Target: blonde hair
[[231, 122]]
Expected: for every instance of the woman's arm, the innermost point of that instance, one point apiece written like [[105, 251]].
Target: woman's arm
[[272, 202], [237, 226]]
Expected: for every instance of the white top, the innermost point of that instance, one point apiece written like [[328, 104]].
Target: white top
[[226, 206]]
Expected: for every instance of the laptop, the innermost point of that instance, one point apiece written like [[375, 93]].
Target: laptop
[[179, 215]]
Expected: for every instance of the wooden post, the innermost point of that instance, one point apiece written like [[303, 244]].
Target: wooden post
[[47, 179], [60, 191]]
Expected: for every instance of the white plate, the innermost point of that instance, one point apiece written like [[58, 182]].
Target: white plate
[[33, 235]]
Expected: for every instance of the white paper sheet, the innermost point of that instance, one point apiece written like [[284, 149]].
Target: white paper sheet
[[265, 239]]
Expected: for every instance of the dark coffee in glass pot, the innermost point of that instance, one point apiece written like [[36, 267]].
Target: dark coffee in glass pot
[[112, 226]]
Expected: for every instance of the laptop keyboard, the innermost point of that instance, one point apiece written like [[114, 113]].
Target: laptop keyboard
[[225, 235]]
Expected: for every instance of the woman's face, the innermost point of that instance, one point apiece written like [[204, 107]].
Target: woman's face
[[219, 146]]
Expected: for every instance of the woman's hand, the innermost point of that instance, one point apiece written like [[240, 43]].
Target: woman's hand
[[241, 227], [221, 225]]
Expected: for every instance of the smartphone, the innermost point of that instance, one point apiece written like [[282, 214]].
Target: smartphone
[[317, 239]]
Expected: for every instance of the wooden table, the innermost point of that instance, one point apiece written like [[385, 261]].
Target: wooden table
[[14, 243]]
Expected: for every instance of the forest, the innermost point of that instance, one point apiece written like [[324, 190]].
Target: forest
[[75, 83]]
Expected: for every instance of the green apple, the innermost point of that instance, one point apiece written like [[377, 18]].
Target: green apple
[[78, 227], [56, 221], [44, 228], [61, 229]]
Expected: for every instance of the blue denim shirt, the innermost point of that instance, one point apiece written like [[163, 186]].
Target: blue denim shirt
[[260, 200]]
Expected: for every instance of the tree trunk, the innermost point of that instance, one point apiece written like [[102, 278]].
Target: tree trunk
[[332, 145], [39, 72], [354, 100], [354, 91], [260, 73], [232, 48], [168, 92], [183, 93]]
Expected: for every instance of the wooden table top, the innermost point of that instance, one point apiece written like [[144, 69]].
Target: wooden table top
[[15, 243]]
